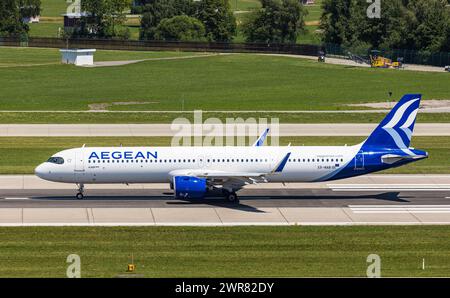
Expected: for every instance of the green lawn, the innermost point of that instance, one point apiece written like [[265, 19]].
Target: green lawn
[[53, 8], [136, 117], [20, 155], [314, 11], [43, 29], [310, 36], [14, 57], [244, 5], [226, 251], [227, 82]]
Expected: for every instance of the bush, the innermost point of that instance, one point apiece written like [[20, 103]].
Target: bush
[[180, 28], [275, 22]]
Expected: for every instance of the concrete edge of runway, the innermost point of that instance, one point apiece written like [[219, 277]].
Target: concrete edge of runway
[[165, 130], [19, 208], [227, 224], [222, 216], [410, 182]]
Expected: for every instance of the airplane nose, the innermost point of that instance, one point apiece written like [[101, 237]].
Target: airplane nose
[[41, 171]]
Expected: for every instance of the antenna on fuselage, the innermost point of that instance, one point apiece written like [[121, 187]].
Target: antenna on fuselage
[[83, 146]]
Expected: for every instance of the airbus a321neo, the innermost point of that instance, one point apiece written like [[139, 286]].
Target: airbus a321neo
[[194, 171]]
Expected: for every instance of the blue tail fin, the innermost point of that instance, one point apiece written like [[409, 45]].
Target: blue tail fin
[[395, 131]]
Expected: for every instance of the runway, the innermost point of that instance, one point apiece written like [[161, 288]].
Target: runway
[[366, 200], [155, 130]]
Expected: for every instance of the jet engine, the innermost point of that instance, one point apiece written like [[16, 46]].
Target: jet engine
[[189, 187]]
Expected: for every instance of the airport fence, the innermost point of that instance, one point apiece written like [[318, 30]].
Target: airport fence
[[409, 56], [141, 45]]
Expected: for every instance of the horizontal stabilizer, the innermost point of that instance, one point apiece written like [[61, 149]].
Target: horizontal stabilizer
[[393, 158]]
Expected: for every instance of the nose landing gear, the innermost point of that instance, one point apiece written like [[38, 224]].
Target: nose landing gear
[[80, 194]]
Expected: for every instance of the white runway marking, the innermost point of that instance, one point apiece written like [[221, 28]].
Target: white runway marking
[[399, 209], [382, 187]]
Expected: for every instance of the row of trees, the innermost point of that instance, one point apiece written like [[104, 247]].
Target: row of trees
[[12, 14], [275, 22], [213, 20], [103, 18], [422, 25], [210, 20]]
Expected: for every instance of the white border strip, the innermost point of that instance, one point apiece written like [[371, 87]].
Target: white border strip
[[208, 224]]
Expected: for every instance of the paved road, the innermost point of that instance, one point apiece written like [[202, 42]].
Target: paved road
[[372, 199], [275, 207], [340, 61], [135, 130], [367, 182], [249, 198]]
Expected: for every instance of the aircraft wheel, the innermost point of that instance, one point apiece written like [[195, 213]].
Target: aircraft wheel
[[79, 196], [232, 197]]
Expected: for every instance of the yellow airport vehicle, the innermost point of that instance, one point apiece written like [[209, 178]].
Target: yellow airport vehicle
[[376, 60]]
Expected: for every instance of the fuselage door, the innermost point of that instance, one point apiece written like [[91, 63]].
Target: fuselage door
[[201, 161], [79, 160], [359, 161]]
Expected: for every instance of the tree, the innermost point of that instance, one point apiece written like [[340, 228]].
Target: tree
[[219, 21], [421, 25], [180, 28], [276, 22], [29, 8], [103, 17], [10, 22], [156, 10], [12, 13], [428, 24]]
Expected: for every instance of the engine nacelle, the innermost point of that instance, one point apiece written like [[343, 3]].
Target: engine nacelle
[[189, 187]]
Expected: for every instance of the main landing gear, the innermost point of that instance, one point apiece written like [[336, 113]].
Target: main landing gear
[[231, 196], [80, 195]]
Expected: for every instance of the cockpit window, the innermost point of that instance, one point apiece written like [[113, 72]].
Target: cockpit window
[[56, 160]]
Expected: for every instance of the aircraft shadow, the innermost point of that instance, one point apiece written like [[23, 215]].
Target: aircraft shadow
[[218, 201]]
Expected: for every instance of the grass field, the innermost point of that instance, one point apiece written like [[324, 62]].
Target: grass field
[[16, 57], [136, 117], [309, 36], [20, 155], [53, 8], [244, 5], [314, 11], [226, 82], [226, 251], [45, 29]]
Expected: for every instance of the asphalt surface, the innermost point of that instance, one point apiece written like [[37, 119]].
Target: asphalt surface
[[136, 130], [249, 198]]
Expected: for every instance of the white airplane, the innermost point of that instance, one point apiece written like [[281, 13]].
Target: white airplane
[[194, 171]]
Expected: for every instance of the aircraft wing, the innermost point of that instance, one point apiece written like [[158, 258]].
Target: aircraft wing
[[246, 177]]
